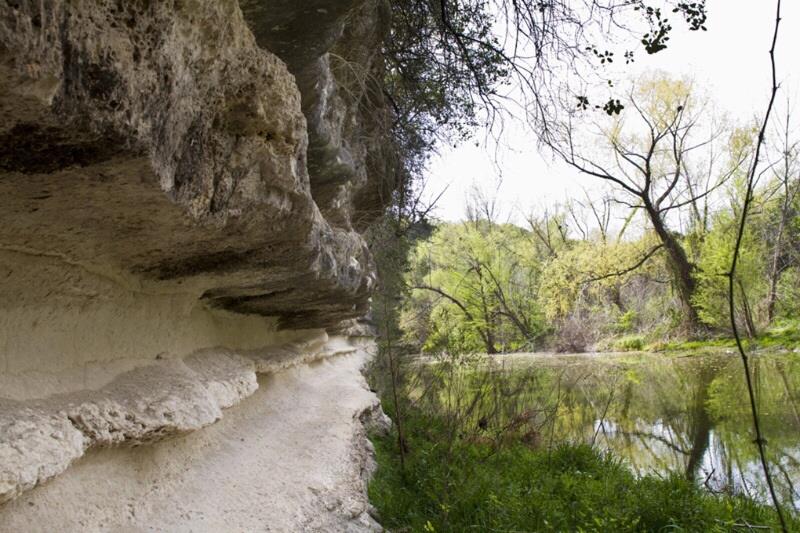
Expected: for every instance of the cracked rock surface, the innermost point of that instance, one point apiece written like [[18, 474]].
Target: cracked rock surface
[[183, 190]]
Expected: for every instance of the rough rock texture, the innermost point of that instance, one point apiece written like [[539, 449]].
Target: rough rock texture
[[291, 457], [183, 184], [151, 402], [36, 445], [159, 139], [349, 164]]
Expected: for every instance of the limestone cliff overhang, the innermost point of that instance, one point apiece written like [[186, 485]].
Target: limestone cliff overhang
[[168, 143], [178, 180]]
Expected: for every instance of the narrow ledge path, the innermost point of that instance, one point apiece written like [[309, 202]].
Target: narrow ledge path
[[292, 457]]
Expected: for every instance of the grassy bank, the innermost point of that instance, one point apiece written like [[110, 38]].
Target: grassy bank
[[783, 335], [456, 482]]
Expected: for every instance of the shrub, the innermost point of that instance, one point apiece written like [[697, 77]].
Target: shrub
[[631, 343]]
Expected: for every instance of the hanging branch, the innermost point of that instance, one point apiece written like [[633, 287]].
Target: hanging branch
[[751, 179], [628, 270]]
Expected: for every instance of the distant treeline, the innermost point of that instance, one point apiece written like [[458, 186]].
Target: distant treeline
[[557, 284]]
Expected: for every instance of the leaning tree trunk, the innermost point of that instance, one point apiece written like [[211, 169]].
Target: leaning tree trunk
[[682, 269]]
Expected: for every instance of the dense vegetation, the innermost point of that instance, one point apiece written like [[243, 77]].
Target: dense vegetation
[[640, 263], [479, 454], [516, 488], [644, 261]]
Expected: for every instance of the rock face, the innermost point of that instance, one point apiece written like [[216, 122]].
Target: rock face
[[161, 139], [183, 187]]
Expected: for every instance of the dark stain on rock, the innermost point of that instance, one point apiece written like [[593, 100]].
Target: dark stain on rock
[[100, 81], [35, 149], [85, 76], [213, 263], [193, 156], [247, 303]]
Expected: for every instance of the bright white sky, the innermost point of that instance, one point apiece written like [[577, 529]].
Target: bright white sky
[[730, 61]]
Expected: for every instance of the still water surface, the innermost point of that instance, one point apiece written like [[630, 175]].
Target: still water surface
[[687, 414]]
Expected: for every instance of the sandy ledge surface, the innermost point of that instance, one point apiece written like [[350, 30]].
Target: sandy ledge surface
[[291, 457]]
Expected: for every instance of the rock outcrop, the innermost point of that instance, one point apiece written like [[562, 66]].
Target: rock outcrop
[[41, 438], [164, 140], [183, 187]]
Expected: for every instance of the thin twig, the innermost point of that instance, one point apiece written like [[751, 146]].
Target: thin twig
[[732, 275]]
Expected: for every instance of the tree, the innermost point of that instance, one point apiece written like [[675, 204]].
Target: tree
[[453, 65], [474, 289], [786, 173], [650, 166], [716, 250]]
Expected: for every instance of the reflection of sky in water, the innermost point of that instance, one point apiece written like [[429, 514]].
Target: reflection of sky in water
[[663, 416], [658, 448]]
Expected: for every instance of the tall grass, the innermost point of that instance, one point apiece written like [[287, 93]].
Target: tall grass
[[479, 457]]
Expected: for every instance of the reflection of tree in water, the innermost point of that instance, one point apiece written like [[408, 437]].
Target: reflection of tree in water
[[699, 420], [688, 415], [776, 380]]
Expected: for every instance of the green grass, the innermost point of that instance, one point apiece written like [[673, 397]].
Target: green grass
[[783, 335], [462, 485], [629, 343], [702, 345]]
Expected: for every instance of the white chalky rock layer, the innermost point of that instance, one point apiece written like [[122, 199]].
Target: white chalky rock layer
[[35, 445], [39, 439], [291, 457]]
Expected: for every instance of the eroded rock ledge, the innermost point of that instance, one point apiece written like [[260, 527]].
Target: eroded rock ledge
[[39, 439], [293, 456], [183, 184], [162, 139]]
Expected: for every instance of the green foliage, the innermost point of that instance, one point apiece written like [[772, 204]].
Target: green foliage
[[788, 304], [481, 286], [591, 272], [627, 321], [477, 284], [473, 290], [632, 343], [475, 487], [716, 251], [438, 67]]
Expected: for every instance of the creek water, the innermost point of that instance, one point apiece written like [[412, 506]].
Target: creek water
[[687, 414]]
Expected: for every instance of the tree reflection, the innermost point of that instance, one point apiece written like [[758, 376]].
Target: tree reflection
[[685, 415]]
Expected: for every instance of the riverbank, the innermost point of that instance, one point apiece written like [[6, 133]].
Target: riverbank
[[473, 486], [585, 442], [782, 336]]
